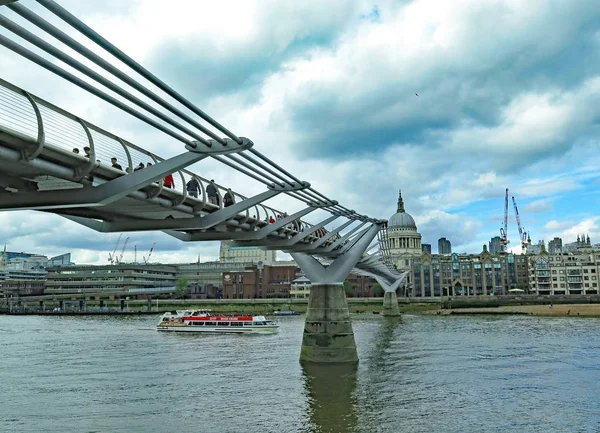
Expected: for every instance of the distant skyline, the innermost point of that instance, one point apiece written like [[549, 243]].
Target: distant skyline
[[452, 102]]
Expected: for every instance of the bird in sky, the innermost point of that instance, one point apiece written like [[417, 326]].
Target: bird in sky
[[417, 94]]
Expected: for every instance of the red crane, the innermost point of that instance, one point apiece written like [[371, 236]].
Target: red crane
[[147, 260], [503, 240], [522, 234]]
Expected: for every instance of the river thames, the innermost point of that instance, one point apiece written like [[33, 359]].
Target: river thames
[[417, 374]]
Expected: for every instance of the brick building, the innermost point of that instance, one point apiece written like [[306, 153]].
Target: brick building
[[259, 282]]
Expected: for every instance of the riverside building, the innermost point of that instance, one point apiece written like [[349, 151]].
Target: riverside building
[[245, 255], [567, 273], [447, 274], [124, 278], [22, 274], [260, 281], [205, 280], [467, 274]]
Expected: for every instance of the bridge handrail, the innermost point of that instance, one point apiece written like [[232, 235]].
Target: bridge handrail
[[66, 150]]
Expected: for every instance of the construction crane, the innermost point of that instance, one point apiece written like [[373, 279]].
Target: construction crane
[[522, 233], [122, 251], [503, 239], [147, 260], [112, 257]]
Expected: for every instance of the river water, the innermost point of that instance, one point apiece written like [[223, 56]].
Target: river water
[[417, 374]]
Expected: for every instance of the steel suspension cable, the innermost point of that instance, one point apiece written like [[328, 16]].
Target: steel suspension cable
[[86, 86], [91, 34], [84, 51], [30, 37]]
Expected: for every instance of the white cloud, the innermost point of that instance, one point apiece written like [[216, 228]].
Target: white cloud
[[537, 206]]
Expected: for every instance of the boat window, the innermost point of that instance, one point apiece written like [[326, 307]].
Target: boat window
[[236, 324], [212, 323], [223, 323], [247, 323]]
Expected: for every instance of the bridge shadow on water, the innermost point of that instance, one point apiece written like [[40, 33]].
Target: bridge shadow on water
[[332, 389], [331, 397]]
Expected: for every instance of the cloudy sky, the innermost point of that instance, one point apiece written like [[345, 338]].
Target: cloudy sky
[[508, 97]]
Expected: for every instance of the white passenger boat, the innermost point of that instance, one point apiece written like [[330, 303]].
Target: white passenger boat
[[203, 321]]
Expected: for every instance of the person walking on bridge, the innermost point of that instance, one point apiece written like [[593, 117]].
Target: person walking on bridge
[[169, 182], [115, 164], [193, 187], [211, 192], [228, 198]]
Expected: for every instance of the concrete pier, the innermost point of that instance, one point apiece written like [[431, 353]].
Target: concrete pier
[[328, 335], [390, 305]]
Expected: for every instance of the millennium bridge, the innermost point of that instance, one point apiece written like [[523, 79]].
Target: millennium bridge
[[39, 170]]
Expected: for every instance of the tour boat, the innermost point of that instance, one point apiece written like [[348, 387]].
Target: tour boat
[[203, 321]]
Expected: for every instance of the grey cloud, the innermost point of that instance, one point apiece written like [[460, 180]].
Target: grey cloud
[[464, 88], [204, 70], [459, 229]]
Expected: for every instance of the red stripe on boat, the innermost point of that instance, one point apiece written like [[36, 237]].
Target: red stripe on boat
[[218, 319]]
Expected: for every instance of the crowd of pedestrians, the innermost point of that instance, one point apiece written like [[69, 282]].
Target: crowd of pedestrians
[[194, 189]]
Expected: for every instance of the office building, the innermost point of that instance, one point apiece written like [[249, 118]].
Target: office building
[[124, 278], [245, 255], [444, 246], [555, 246], [495, 246], [426, 248]]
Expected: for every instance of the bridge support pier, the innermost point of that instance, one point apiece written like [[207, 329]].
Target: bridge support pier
[[390, 305], [328, 334]]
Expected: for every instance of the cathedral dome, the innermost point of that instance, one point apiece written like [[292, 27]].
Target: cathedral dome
[[401, 219]]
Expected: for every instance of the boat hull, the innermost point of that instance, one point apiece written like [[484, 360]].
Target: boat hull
[[219, 330]]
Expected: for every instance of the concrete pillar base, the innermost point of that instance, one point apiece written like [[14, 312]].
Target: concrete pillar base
[[328, 335], [390, 305]]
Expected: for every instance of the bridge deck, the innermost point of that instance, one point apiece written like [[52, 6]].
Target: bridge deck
[[32, 163]]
